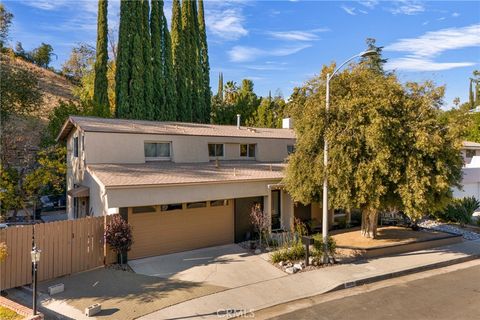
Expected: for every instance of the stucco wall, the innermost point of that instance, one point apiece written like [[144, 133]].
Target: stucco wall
[[142, 196], [129, 148]]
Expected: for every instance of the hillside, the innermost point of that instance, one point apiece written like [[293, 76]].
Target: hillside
[[21, 136], [53, 86]]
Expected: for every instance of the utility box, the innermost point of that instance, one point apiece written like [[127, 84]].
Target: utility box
[[287, 123]]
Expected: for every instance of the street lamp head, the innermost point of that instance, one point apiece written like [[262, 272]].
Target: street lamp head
[[368, 53], [35, 255]]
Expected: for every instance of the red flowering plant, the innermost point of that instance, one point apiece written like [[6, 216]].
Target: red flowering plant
[[118, 235]]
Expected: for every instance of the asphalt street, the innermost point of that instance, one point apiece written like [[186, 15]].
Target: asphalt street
[[452, 295]]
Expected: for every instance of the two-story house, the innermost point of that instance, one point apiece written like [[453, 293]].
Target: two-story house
[[180, 185]]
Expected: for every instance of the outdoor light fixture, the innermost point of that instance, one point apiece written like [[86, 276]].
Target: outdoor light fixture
[[363, 54], [35, 260]]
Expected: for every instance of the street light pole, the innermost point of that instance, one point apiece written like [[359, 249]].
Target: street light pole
[[35, 260], [325, 151]]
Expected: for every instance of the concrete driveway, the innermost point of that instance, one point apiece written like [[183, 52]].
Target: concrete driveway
[[227, 266]]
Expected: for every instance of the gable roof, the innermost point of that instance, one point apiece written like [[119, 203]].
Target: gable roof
[[93, 124]]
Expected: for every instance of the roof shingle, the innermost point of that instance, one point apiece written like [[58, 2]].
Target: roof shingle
[[171, 128], [166, 173]]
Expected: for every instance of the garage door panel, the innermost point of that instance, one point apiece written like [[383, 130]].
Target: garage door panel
[[181, 230]]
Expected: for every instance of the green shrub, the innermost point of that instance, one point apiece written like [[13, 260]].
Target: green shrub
[[319, 249], [459, 210], [293, 253]]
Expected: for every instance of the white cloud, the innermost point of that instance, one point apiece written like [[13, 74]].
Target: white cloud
[[244, 53], [225, 19], [423, 49], [407, 7], [369, 4], [424, 64], [349, 10], [455, 14], [297, 35], [435, 42]]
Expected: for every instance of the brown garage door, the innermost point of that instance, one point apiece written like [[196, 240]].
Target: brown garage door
[[163, 232]]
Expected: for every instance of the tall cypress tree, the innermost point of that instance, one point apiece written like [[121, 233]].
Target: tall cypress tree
[[470, 95], [123, 63], [137, 81], [187, 31], [220, 86], [156, 25], [101, 106], [168, 74], [148, 111], [205, 93], [178, 58]]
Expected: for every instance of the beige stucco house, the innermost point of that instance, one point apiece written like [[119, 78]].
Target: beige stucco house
[[180, 185]]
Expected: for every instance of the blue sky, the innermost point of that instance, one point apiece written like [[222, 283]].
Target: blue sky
[[280, 44]]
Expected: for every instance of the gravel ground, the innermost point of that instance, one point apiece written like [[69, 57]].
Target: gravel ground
[[440, 226]]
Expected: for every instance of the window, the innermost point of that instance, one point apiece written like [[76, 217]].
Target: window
[[170, 207], [247, 150], [215, 150], [290, 148], [157, 150], [145, 209], [471, 153], [75, 147], [193, 205], [218, 203]]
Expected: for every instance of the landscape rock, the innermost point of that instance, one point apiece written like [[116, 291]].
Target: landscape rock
[[310, 260], [258, 251], [289, 265], [291, 270], [443, 227], [298, 266], [281, 263]]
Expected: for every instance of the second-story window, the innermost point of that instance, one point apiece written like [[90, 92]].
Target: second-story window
[[157, 151], [247, 150], [75, 147], [215, 150]]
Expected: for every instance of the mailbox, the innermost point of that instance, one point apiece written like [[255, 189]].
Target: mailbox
[[307, 241]]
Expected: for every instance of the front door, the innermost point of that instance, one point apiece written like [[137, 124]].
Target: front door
[[276, 210]]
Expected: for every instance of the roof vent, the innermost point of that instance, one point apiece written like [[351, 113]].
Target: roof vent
[[238, 121]]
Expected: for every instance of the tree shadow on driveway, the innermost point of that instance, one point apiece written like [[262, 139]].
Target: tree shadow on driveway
[[125, 295]]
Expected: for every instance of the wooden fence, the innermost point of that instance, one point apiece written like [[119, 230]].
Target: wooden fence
[[67, 247]]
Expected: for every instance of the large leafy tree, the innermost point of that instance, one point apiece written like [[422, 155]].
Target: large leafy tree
[[20, 92], [79, 64], [6, 18], [386, 146], [101, 105], [269, 113]]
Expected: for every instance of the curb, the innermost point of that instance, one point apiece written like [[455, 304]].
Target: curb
[[397, 274]]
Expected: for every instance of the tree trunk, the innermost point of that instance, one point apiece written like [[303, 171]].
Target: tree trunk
[[369, 223]]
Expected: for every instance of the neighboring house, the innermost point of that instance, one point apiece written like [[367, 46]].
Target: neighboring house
[[471, 171], [180, 185]]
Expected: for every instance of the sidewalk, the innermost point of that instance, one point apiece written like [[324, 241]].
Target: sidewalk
[[268, 293]]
